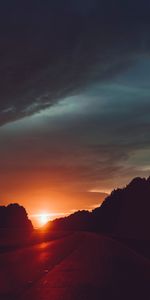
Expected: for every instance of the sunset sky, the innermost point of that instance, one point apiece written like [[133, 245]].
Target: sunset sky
[[74, 101]]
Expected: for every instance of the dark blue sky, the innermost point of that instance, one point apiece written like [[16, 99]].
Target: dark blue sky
[[74, 99]]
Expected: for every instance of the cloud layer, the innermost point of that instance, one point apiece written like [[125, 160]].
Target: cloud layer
[[74, 97], [54, 49]]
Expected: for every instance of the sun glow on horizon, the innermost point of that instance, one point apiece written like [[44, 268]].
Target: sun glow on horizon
[[43, 219], [40, 219]]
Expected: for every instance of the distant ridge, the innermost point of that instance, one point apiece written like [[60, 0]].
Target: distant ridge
[[125, 213]]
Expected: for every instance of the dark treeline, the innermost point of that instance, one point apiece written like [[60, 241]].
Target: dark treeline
[[14, 216], [124, 213]]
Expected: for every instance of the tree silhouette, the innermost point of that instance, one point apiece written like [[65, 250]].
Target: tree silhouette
[[14, 216], [125, 212]]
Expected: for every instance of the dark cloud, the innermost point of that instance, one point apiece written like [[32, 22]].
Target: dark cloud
[[89, 141], [53, 49], [75, 83]]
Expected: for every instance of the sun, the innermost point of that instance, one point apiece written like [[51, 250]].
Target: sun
[[43, 218]]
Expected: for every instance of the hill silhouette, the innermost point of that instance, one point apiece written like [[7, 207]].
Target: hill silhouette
[[125, 213], [14, 216]]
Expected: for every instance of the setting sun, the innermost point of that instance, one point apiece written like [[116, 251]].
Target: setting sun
[[43, 219]]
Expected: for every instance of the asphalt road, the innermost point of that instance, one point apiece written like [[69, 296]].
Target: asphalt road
[[81, 266]]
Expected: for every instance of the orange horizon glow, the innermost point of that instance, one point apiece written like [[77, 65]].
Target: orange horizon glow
[[41, 219], [39, 193], [45, 200]]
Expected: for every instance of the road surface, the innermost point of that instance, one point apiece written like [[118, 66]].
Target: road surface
[[80, 266]]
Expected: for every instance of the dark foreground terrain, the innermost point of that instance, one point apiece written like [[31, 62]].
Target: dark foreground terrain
[[79, 266]]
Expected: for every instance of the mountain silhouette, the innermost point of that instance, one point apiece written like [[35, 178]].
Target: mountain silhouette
[[125, 213]]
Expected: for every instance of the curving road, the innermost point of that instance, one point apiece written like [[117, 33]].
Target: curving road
[[80, 266]]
